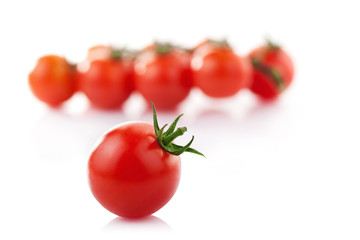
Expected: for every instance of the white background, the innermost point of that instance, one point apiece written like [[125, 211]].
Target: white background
[[286, 170]]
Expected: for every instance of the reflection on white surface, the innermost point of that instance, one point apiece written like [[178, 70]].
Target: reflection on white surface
[[146, 224], [265, 163]]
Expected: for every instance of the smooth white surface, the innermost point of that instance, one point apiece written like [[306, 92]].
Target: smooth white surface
[[286, 170]]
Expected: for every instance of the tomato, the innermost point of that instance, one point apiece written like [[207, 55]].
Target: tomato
[[163, 75], [218, 71], [273, 71], [52, 80], [106, 81], [135, 169]]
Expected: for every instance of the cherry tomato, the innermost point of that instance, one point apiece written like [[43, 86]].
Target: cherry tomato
[[52, 80], [273, 71], [163, 75], [106, 81], [218, 71], [135, 170]]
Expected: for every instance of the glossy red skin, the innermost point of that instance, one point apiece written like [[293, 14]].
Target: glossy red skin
[[277, 60], [107, 83], [52, 80], [219, 72], [130, 174], [164, 79]]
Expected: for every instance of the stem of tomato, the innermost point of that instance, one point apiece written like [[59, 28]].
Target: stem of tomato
[[163, 48], [117, 54], [165, 139], [171, 137], [269, 72]]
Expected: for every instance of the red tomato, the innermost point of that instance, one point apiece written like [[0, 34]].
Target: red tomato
[[218, 71], [52, 80], [135, 170], [108, 81], [163, 75], [273, 71]]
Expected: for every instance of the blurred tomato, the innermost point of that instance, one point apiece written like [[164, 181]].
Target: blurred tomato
[[218, 71], [106, 77], [273, 71], [52, 80], [163, 75]]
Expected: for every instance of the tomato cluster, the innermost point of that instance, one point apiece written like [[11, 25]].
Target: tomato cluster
[[135, 169], [162, 73]]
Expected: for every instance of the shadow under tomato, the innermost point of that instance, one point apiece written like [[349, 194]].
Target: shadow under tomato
[[145, 224]]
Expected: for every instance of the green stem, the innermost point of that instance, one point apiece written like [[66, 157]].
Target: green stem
[[163, 48], [269, 72], [165, 139], [171, 137]]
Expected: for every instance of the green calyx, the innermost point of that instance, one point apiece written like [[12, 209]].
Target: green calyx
[[165, 139], [117, 53], [123, 53], [269, 72], [163, 48]]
